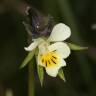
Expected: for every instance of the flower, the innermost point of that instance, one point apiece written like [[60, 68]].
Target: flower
[[53, 50]]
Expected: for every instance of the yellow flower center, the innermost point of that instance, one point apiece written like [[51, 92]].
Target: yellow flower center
[[49, 59]]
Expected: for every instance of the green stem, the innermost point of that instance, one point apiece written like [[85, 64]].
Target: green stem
[[31, 80]]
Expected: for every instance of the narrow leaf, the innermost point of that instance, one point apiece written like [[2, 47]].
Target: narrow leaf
[[76, 47], [61, 74], [28, 58], [40, 74]]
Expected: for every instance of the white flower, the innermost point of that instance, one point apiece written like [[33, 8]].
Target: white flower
[[52, 51]]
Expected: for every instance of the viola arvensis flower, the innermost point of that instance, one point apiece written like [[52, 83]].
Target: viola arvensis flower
[[53, 50]]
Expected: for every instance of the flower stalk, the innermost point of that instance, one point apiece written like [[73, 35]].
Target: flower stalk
[[31, 88]]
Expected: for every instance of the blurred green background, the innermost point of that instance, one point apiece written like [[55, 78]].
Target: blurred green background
[[80, 72]]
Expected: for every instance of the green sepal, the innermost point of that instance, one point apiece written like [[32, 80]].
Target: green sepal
[[40, 74], [36, 52], [61, 75], [28, 58], [76, 47]]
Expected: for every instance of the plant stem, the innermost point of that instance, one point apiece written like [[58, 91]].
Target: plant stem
[[31, 79]]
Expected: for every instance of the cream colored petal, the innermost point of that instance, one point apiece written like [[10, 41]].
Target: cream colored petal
[[34, 44], [39, 40], [60, 32], [43, 47], [38, 60], [61, 48], [62, 62], [31, 46], [53, 71]]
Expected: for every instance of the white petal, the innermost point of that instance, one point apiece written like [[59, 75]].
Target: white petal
[[61, 48], [62, 63], [39, 61], [60, 32], [31, 46], [39, 40], [53, 71], [43, 47]]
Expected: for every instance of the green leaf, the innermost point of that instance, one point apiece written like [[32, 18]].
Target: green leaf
[[61, 74], [28, 58], [76, 47], [40, 74]]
